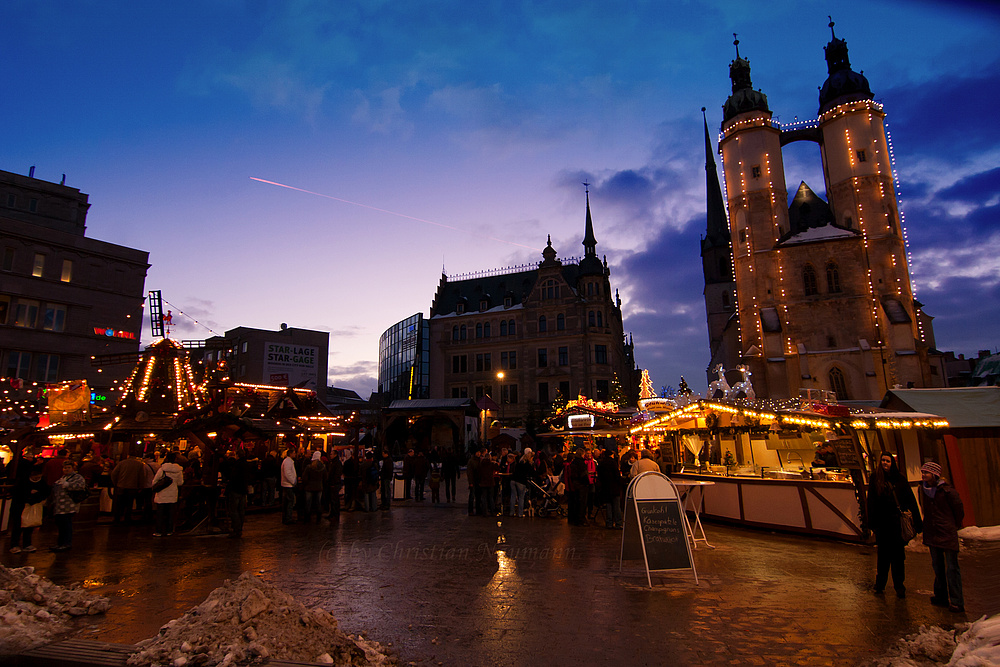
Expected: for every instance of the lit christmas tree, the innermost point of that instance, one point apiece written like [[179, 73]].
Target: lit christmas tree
[[683, 389], [618, 396], [558, 403], [646, 386]]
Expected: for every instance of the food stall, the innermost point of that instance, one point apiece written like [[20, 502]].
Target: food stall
[[798, 465]]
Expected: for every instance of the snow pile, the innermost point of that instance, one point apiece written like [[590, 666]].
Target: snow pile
[[247, 621], [979, 646], [968, 645], [33, 610], [982, 534]]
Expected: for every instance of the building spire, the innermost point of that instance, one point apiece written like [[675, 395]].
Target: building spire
[[717, 232], [589, 240]]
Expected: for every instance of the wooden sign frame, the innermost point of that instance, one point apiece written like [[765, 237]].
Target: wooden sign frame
[[654, 515]]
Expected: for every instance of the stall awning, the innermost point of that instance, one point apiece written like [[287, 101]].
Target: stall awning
[[963, 407]]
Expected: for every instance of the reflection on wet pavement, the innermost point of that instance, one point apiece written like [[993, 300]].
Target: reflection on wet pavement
[[447, 588]]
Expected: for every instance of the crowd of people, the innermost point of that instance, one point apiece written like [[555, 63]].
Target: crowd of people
[[167, 488]]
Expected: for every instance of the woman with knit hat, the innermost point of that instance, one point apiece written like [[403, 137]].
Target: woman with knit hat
[[943, 514], [889, 495]]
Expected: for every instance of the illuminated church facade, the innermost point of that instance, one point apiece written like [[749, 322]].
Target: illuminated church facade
[[816, 295]]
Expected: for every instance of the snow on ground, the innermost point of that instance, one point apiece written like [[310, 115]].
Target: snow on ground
[[248, 621], [984, 534], [967, 645], [33, 610]]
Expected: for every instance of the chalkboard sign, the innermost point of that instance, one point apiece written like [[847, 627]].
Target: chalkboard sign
[[655, 526], [847, 453], [667, 453]]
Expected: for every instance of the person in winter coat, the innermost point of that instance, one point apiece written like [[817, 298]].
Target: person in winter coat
[[387, 474], [29, 489], [334, 482], [64, 507], [577, 488], [421, 466], [612, 485], [289, 478], [943, 514], [166, 498], [889, 495], [524, 470], [313, 481]]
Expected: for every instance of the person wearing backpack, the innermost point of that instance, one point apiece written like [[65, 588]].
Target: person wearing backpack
[[166, 481]]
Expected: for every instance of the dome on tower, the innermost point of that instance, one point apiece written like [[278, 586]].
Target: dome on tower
[[843, 84], [744, 97]]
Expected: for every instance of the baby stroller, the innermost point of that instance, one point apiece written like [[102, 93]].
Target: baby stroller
[[544, 500]]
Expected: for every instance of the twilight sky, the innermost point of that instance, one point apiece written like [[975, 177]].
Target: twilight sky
[[422, 135]]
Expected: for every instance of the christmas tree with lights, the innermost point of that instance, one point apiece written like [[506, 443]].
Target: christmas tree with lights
[[646, 386], [618, 396], [162, 383]]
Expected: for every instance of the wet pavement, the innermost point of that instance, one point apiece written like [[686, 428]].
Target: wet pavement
[[447, 588]]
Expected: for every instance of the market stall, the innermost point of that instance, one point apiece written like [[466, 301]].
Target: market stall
[[798, 465]]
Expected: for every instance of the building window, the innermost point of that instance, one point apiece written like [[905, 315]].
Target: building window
[[510, 328], [832, 278], [243, 348], [592, 319], [550, 290], [543, 393], [4, 308], [508, 393], [809, 280], [564, 389], [33, 205], [564, 356], [454, 332], [743, 236], [831, 341], [508, 360], [47, 368], [543, 357], [838, 384], [18, 364], [508, 302], [55, 317], [38, 268], [600, 354], [11, 201], [484, 304], [725, 301], [486, 330], [463, 333], [590, 289], [543, 325], [484, 362], [725, 267], [26, 313], [67, 271], [560, 322], [460, 308], [503, 327], [755, 171], [460, 364], [8, 259], [479, 330], [601, 387], [600, 319], [454, 392], [861, 156]]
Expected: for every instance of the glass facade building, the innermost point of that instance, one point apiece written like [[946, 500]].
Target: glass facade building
[[404, 359]]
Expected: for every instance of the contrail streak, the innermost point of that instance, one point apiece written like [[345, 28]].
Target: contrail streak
[[382, 210]]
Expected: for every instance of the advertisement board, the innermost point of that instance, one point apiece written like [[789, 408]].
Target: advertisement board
[[291, 365]]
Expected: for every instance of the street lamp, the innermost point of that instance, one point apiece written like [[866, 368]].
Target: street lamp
[[500, 380]]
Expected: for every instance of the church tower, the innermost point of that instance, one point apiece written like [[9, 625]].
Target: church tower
[[755, 189], [823, 288]]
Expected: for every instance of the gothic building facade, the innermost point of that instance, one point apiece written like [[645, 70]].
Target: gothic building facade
[[522, 336], [815, 295]]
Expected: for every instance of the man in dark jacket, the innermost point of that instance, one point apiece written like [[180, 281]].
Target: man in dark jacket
[[334, 482], [578, 486], [237, 473], [421, 466], [943, 514], [387, 474], [408, 461]]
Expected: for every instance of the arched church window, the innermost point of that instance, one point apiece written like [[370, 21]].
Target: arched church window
[[809, 280], [725, 267], [832, 278], [838, 384]]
